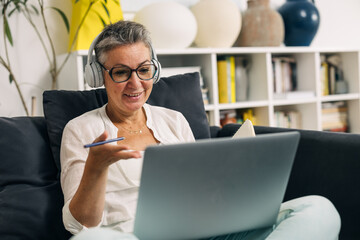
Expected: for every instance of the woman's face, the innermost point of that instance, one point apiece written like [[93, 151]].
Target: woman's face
[[127, 97]]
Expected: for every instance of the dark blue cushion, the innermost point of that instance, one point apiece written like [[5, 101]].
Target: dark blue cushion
[[179, 92], [30, 195]]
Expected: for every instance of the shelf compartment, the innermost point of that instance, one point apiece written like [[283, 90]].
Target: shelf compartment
[[307, 112], [305, 71], [352, 114], [349, 67], [258, 115], [257, 80]]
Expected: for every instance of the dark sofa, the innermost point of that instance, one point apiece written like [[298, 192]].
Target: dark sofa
[[31, 200]]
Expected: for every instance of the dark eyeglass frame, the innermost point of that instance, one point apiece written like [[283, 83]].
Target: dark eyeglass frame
[[131, 71]]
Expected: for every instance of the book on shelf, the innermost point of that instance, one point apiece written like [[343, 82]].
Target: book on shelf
[[324, 78], [230, 61], [288, 119], [170, 71], [277, 75], [334, 116], [331, 74], [232, 79], [226, 79], [222, 80], [284, 74], [332, 78]]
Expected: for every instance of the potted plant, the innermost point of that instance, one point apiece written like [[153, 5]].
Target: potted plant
[[32, 12]]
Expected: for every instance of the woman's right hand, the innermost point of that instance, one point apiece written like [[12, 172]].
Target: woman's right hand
[[102, 156]]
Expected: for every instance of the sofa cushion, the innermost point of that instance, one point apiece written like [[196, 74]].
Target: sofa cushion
[[183, 93], [30, 195], [179, 92]]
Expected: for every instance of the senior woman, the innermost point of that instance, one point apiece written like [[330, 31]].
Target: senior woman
[[101, 183]]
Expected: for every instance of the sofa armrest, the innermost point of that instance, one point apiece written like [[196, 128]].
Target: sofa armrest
[[30, 194], [326, 164]]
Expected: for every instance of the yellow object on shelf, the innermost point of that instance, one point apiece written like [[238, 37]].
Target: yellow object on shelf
[[324, 76], [226, 79], [222, 81], [249, 114], [232, 79], [93, 24]]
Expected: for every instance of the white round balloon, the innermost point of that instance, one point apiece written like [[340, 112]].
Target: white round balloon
[[219, 23], [171, 24]]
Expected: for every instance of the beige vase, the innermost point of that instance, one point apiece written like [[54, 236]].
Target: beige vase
[[219, 23], [261, 26]]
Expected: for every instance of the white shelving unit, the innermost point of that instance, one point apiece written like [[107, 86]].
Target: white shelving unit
[[261, 98]]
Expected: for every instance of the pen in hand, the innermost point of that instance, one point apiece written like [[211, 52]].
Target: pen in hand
[[103, 142]]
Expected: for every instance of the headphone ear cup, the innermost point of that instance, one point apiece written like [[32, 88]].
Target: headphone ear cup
[[157, 75], [94, 75]]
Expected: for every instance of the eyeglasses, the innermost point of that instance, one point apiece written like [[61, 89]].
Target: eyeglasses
[[122, 73]]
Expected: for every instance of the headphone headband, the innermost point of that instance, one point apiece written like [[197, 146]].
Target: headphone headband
[[94, 73], [91, 49]]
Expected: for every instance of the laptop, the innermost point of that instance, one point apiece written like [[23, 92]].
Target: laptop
[[213, 187]]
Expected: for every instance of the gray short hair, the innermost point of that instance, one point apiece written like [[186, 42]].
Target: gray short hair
[[119, 34]]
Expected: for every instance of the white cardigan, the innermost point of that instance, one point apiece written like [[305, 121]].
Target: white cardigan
[[122, 187]]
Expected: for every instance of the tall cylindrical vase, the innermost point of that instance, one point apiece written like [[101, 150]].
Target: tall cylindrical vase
[[261, 26], [302, 20]]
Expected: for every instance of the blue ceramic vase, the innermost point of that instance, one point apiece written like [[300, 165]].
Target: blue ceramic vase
[[301, 20]]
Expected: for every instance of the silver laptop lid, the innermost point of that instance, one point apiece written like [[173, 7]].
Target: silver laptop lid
[[213, 187]]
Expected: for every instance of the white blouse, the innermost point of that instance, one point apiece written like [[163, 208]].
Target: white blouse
[[122, 187]]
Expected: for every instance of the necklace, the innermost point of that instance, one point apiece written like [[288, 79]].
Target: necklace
[[140, 131]]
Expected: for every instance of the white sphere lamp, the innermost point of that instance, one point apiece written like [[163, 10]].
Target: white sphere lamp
[[219, 23], [171, 24]]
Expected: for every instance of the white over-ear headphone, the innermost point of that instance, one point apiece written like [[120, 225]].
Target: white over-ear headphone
[[94, 73]]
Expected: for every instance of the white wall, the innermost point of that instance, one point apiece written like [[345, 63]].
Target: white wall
[[29, 61], [338, 28]]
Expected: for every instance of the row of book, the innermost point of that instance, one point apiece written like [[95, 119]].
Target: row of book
[[334, 116], [287, 119], [233, 79], [284, 74], [331, 75], [237, 116]]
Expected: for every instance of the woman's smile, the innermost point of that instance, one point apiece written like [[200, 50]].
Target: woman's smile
[[134, 96]]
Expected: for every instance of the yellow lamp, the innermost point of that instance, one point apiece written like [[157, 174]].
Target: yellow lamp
[[93, 24]]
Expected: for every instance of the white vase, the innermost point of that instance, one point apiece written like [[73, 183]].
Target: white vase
[[171, 24], [219, 23]]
